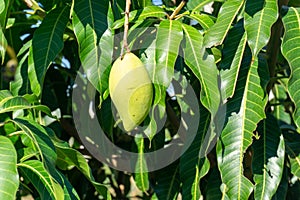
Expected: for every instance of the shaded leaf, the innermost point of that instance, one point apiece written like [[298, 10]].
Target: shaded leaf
[[217, 33], [47, 42], [269, 153], [141, 170], [68, 157], [35, 172], [168, 182], [290, 50], [9, 177], [232, 53], [258, 26], [192, 166], [39, 137]]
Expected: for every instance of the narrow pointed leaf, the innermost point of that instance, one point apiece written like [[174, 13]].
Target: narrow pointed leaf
[[203, 67], [91, 21], [40, 138], [192, 165], [280, 113], [168, 182], [291, 50], [160, 61], [232, 53], [245, 110], [3, 45], [141, 170], [217, 33], [9, 177], [140, 15], [258, 26], [47, 42], [35, 172], [196, 5], [169, 36], [68, 157], [269, 154], [203, 19]]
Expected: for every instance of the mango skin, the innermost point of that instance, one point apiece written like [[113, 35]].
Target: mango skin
[[131, 90]]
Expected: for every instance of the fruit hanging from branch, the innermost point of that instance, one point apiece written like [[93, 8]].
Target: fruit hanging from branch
[[130, 90]]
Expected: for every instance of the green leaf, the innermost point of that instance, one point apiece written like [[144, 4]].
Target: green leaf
[[144, 3], [203, 67], [140, 15], [4, 7], [167, 182], [203, 19], [3, 45], [21, 84], [168, 38], [213, 186], [232, 53], [35, 172], [159, 60], [217, 33], [281, 191], [293, 151], [245, 110], [68, 157], [47, 42], [39, 137], [290, 50], [10, 104], [268, 159], [192, 166], [91, 21], [280, 114], [258, 26], [9, 177], [141, 169], [196, 5]]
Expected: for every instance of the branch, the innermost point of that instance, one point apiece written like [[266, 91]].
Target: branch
[[126, 27], [177, 10]]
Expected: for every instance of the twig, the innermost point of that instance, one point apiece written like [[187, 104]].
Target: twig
[[177, 10], [126, 27]]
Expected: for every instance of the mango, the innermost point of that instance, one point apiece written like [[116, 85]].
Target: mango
[[131, 90]]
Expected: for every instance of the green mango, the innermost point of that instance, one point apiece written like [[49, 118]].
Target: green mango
[[131, 90]]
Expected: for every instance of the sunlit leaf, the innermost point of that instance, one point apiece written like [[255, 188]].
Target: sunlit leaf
[[245, 110], [92, 20], [196, 5], [203, 67], [141, 170], [138, 15], [35, 172], [291, 50], [217, 33], [258, 24], [9, 177]]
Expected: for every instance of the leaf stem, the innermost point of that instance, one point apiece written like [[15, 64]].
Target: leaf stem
[[177, 10], [126, 27]]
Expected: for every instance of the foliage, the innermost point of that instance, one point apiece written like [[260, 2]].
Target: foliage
[[240, 57]]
